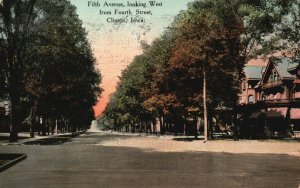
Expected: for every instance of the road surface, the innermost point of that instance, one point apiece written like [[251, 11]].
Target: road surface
[[84, 163]]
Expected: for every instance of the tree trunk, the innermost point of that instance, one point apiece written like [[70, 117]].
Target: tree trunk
[[184, 126], [235, 126], [13, 137], [204, 105], [197, 126], [162, 125], [32, 119], [43, 126], [13, 122]]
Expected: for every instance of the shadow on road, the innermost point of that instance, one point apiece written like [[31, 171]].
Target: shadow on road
[[49, 141], [186, 139]]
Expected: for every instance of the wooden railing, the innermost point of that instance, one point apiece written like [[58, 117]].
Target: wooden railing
[[281, 100], [280, 103]]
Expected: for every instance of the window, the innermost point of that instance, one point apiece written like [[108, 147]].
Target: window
[[274, 76], [250, 99]]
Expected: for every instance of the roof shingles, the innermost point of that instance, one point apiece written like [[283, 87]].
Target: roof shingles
[[254, 72], [283, 64]]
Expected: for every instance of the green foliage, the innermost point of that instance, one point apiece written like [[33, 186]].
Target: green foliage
[[62, 76], [125, 106], [214, 36], [47, 61], [15, 19], [104, 123], [289, 31]]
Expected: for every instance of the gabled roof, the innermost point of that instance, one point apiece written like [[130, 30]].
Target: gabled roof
[[282, 65], [254, 72], [293, 70]]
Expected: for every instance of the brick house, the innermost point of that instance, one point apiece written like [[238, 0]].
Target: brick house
[[272, 106]]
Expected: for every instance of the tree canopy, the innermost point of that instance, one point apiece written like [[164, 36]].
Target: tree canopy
[[48, 62], [212, 39]]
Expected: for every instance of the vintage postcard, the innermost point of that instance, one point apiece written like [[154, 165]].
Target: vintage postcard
[[149, 93]]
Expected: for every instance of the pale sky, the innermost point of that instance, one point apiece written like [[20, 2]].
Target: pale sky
[[115, 45]]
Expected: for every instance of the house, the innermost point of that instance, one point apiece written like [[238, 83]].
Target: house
[[276, 91], [272, 107]]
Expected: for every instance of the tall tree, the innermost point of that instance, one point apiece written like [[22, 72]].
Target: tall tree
[[62, 77], [15, 20], [209, 43], [47, 61]]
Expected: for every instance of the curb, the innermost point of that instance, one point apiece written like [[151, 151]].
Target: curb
[[29, 139], [13, 162]]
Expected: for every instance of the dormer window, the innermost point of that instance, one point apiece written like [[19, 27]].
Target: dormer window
[[274, 76]]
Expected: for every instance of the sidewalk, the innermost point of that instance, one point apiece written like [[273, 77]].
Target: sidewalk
[[171, 144], [25, 137]]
